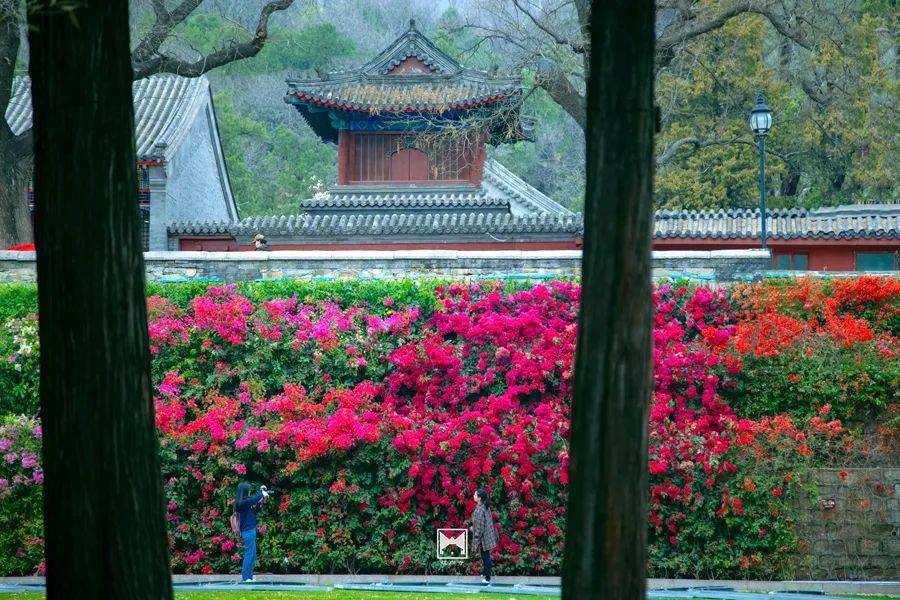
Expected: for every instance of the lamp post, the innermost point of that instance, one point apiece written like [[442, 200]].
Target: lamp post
[[760, 123]]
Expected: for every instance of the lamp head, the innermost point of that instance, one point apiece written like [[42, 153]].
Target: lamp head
[[760, 117]]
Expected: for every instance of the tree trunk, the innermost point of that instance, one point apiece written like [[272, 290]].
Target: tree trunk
[[15, 218], [790, 182], [606, 527], [15, 151], [104, 520]]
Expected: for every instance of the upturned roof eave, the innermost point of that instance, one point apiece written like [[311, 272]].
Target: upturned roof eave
[[352, 106]]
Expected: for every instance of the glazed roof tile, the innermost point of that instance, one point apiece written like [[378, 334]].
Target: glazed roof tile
[[313, 226], [350, 200], [880, 221], [164, 108], [501, 190]]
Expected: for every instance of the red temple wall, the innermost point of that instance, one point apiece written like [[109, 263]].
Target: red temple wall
[[824, 255]]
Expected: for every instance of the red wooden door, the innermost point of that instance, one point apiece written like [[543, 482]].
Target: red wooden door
[[409, 164]]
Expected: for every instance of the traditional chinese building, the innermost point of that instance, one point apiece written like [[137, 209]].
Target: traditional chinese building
[[181, 166], [412, 128]]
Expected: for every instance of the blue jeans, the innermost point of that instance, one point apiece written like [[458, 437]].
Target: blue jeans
[[249, 538], [487, 564]]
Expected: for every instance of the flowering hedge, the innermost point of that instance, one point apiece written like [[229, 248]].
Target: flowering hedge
[[375, 411], [819, 342]]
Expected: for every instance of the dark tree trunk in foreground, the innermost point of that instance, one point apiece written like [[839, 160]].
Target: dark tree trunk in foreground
[[103, 504], [606, 527]]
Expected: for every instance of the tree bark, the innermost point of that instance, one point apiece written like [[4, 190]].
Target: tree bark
[[15, 218], [15, 151], [105, 531], [606, 527]]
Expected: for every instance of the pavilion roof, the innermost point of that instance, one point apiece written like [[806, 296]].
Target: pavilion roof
[[434, 84]]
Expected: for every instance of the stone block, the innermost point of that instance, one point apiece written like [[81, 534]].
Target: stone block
[[868, 547]]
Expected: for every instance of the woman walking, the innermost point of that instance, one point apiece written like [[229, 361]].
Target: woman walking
[[484, 534], [246, 507]]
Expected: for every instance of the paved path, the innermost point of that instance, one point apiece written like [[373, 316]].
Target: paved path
[[668, 588]]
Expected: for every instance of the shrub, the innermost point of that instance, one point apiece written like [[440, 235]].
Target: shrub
[[21, 525], [375, 410], [817, 343], [19, 359]]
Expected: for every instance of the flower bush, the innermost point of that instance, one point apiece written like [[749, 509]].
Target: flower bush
[[818, 342], [19, 359], [375, 411], [21, 525]]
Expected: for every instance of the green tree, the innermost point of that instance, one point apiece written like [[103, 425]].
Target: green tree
[[272, 168]]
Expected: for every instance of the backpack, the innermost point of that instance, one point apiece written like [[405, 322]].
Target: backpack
[[235, 524]]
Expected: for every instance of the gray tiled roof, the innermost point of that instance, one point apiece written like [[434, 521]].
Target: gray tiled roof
[[879, 221], [501, 192], [318, 226], [402, 199], [499, 181], [164, 108]]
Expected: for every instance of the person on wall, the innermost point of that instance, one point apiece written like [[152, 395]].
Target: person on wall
[[246, 507], [484, 534]]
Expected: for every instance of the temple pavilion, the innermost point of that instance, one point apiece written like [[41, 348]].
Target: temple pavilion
[[413, 126]]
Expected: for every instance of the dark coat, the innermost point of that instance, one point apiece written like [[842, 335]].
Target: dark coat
[[247, 509], [484, 534]]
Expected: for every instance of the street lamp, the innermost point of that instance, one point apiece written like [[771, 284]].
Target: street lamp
[[760, 123]]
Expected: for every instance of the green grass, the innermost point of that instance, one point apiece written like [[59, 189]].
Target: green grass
[[347, 595], [332, 595]]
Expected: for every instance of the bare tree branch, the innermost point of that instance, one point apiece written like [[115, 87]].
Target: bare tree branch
[[692, 28], [666, 155], [576, 47], [562, 90], [148, 61], [159, 8], [161, 29]]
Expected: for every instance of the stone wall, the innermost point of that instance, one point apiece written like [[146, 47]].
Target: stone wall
[[852, 524], [722, 266]]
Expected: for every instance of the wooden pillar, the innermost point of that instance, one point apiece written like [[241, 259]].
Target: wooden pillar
[[344, 141], [479, 155]]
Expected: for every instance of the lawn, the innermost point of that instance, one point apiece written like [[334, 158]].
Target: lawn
[[332, 595]]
